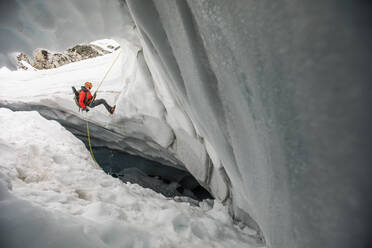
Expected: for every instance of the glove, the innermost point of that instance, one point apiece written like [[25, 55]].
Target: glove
[[86, 110]]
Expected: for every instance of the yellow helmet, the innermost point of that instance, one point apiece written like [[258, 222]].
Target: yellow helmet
[[88, 85]]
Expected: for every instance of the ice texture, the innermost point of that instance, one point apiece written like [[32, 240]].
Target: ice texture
[[280, 90], [265, 103]]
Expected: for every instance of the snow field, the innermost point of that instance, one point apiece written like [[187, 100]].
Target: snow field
[[50, 189]]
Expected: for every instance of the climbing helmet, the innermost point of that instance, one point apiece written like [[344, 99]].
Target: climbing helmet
[[88, 85]]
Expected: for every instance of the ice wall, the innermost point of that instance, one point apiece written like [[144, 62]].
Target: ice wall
[[280, 91]]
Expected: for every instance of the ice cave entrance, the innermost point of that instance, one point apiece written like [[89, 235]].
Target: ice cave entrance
[[169, 181]]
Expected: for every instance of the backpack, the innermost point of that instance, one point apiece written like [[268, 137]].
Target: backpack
[[76, 97]]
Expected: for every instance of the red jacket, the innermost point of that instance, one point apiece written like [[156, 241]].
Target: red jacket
[[85, 97]]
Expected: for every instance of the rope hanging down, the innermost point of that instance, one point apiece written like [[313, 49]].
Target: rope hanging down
[[90, 144], [88, 133]]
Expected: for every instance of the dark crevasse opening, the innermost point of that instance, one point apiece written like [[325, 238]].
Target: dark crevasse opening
[[169, 181]]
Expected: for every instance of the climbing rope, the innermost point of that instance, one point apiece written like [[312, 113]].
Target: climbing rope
[[88, 133], [107, 72], [90, 144]]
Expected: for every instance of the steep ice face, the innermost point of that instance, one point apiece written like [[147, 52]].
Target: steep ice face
[[279, 93]]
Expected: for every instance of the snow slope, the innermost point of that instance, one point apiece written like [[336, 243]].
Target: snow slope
[[52, 195]]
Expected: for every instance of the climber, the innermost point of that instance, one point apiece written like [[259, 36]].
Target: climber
[[87, 100]]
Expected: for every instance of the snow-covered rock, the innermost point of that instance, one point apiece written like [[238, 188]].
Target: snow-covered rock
[[23, 62], [44, 59]]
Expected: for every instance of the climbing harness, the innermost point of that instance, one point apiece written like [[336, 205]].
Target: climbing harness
[[88, 133]]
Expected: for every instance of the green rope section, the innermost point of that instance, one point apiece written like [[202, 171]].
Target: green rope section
[[90, 144]]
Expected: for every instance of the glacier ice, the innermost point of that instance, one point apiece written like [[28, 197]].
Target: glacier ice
[[266, 103], [280, 92]]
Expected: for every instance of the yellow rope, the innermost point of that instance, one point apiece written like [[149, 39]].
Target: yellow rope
[[88, 133], [107, 72]]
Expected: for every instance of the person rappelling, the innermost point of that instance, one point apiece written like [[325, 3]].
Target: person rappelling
[[84, 99]]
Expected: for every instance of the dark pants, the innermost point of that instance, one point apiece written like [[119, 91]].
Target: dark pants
[[99, 102]]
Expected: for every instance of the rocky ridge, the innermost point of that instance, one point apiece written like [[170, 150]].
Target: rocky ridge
[[44, 59]]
